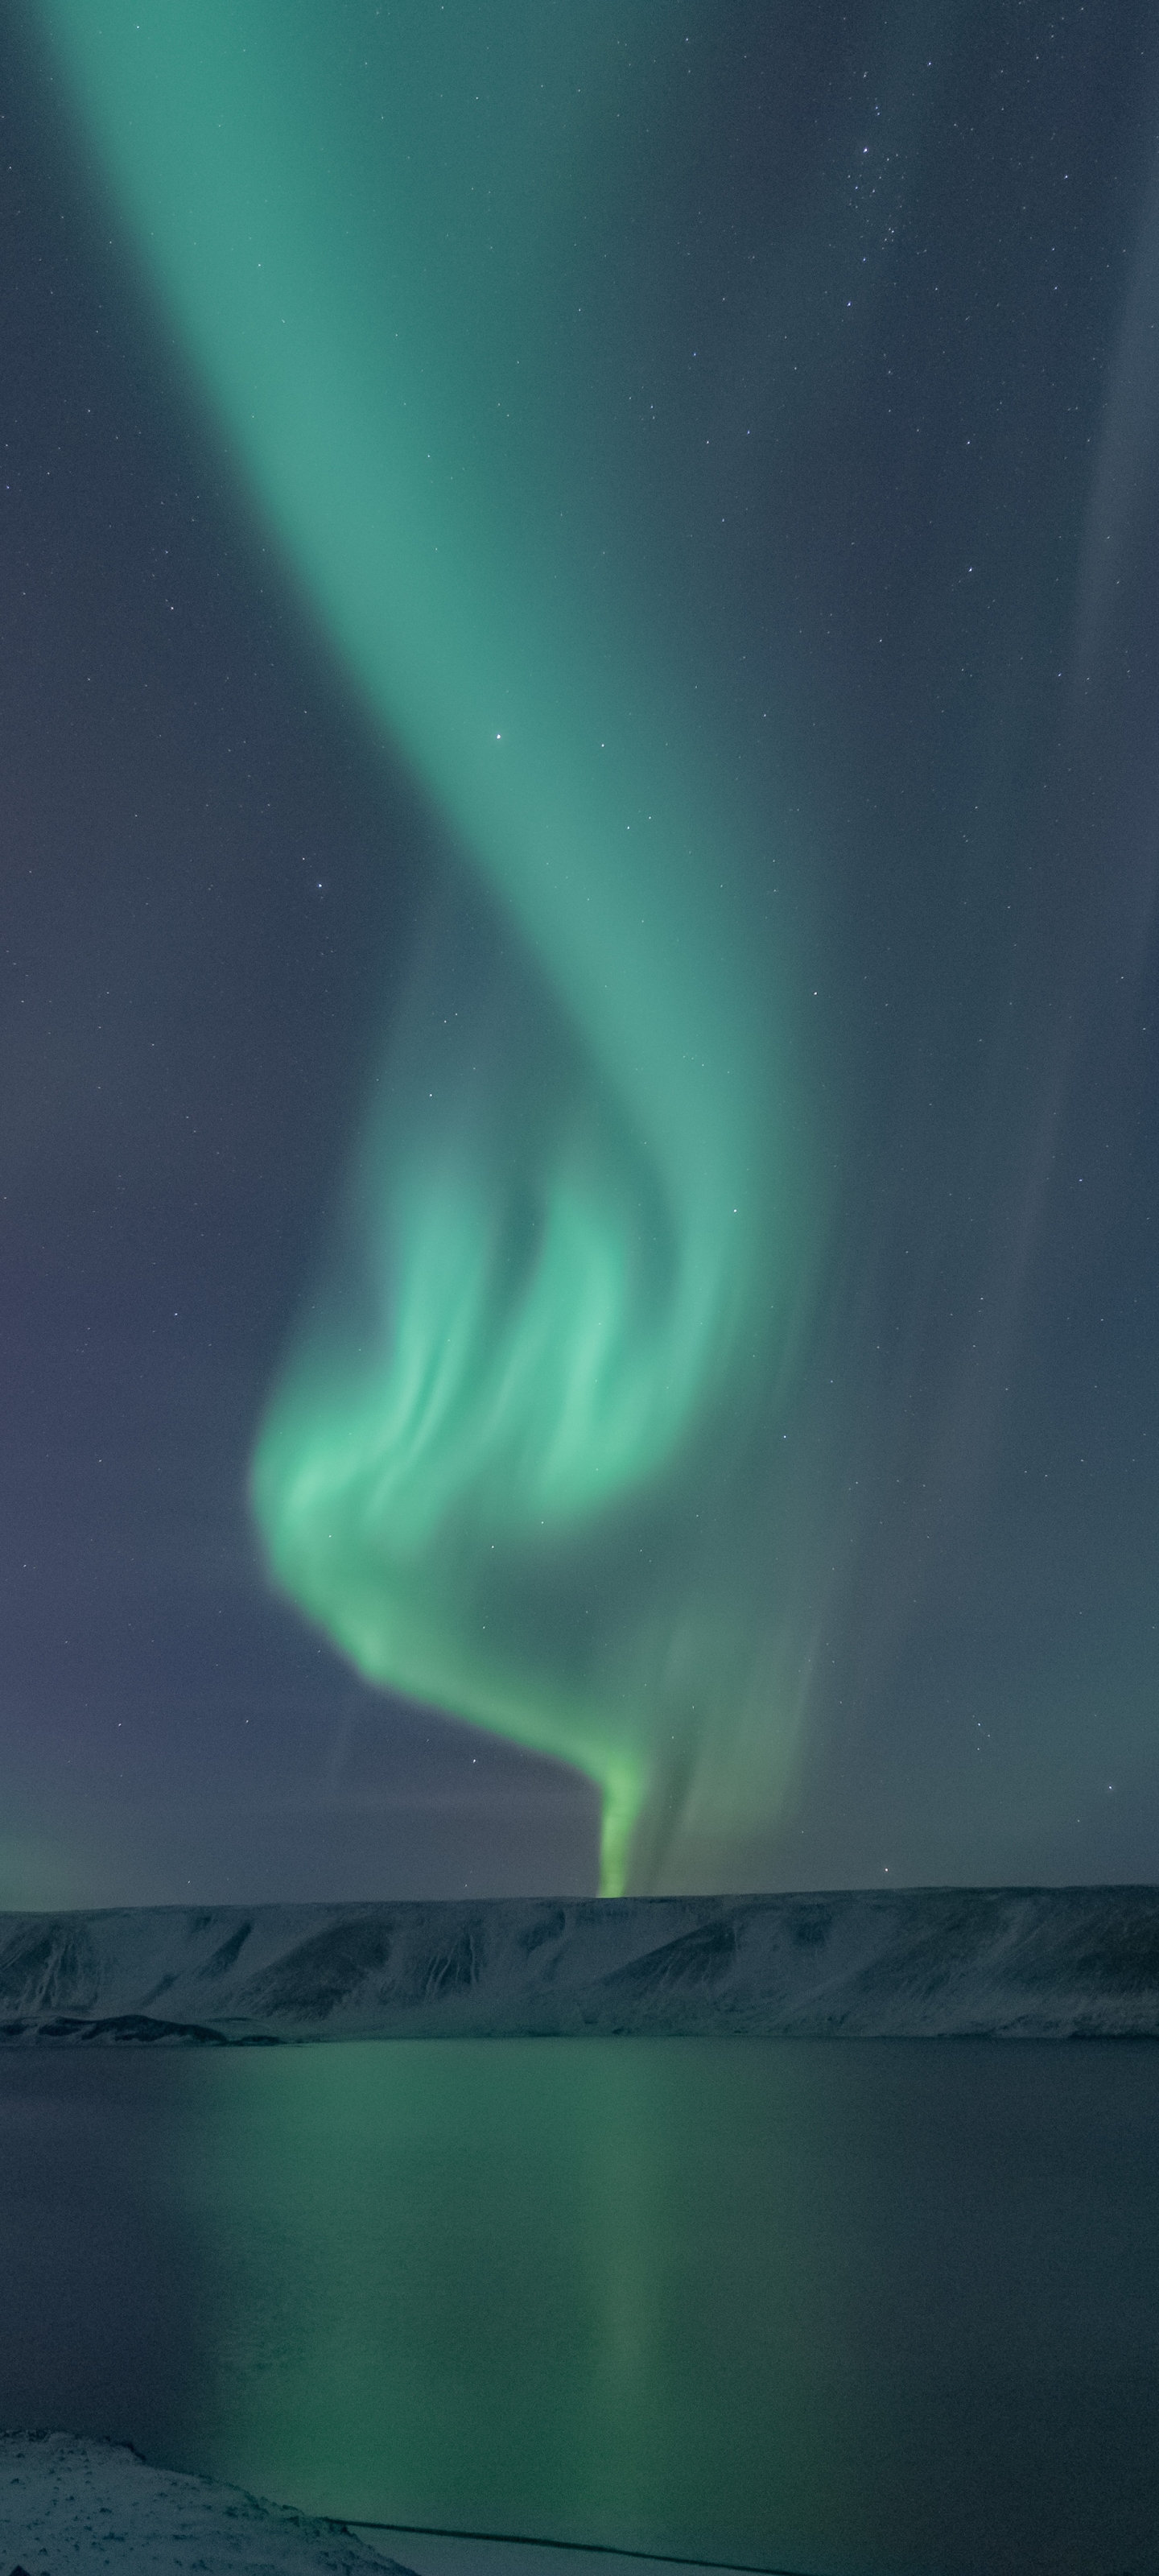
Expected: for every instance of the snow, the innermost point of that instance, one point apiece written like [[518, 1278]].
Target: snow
[[1020, 1963], [70, 2503]]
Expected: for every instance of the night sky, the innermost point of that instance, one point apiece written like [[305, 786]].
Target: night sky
[[579, 829]]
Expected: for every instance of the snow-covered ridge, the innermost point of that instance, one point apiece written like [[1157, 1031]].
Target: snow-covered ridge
[[1011, 1963]]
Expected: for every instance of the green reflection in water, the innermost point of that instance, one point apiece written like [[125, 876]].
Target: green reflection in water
[[529, 2286]]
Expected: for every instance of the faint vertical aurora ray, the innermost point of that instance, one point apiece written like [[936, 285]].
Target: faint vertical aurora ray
[[577, 1242]]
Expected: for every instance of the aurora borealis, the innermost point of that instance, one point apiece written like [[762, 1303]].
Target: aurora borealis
[[712, 482], [577, 1271]]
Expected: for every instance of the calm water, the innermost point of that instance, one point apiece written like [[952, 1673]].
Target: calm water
[[845, 2307]]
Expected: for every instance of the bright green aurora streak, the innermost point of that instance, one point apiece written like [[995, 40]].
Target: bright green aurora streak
[[498, 1463]]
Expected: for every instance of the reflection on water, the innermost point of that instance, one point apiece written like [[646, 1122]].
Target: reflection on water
[[845, 2306]]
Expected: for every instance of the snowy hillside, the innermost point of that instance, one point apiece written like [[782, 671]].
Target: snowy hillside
[[937, 1963]]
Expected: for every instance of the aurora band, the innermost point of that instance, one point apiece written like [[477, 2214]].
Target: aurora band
[[563, 1295]]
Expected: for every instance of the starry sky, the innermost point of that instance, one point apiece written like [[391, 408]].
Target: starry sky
[[579, 830]]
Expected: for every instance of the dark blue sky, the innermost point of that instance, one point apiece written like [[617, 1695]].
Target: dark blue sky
[[939, 565]]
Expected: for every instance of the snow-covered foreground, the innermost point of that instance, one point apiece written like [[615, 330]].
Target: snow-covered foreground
[[67, 2503], [1017, 1963]]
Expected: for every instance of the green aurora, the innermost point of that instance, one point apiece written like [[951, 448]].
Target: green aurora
[[510, 1462]]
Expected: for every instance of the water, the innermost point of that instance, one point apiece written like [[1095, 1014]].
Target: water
[[884, 2306]]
